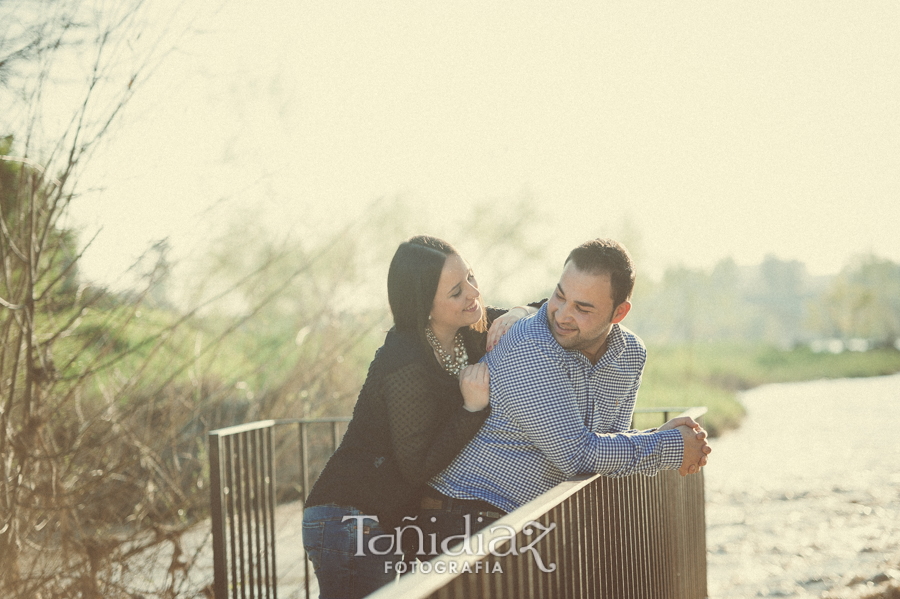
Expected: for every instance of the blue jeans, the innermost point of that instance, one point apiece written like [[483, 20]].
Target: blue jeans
[[333, 545], [451, 523], [447, 517]]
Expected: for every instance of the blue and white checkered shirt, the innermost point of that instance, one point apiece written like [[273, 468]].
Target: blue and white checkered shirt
[[555, 415]]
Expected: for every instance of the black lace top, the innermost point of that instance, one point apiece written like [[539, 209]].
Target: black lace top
[[408, 424]]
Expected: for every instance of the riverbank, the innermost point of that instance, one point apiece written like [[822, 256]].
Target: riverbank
[[804, 499], [713, 374]]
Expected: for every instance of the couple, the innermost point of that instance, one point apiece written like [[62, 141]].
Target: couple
[[463, 413]]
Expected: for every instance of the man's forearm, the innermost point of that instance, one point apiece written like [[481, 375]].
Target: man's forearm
[[623, 454]]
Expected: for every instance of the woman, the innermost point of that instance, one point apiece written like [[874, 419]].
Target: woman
[[424, 398]]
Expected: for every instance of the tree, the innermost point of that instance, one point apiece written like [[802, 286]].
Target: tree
[[779, 298], [105, 396], [862, 301], [90, 474]]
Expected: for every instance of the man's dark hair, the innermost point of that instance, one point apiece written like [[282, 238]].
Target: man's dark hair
[[605, 256], [413, 281]]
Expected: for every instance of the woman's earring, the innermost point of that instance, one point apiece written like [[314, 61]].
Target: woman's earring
[[429, 317]]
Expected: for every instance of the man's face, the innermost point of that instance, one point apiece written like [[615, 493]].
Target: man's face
[[581, 313]]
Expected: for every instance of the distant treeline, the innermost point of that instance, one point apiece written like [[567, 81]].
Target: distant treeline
[[777, 302]]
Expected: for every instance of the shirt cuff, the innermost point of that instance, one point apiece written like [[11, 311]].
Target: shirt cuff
[[477, 414], [672, 453]]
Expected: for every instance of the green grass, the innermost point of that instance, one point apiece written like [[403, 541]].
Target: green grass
[[712, 374], [702, 374]]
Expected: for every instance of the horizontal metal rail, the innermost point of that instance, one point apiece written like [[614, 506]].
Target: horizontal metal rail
[[694, 412]]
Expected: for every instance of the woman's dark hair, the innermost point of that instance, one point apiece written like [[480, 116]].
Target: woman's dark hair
[[413, 281]]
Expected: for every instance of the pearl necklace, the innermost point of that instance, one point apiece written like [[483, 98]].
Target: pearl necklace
[[452, 364]]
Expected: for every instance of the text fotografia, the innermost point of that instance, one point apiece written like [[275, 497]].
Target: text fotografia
[[445, 567], [470, 544]]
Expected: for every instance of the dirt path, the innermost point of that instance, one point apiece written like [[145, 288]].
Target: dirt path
[[805, 497], [289, 556]]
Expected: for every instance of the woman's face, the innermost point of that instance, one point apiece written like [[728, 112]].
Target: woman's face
[[457, 302]]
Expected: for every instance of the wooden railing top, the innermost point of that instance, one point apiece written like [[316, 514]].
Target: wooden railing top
[[422, 586], [418, 585]]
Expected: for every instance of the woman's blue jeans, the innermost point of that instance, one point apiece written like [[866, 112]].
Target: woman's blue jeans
[[336, 540]]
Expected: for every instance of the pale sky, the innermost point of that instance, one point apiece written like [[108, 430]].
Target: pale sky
[[714, 129]]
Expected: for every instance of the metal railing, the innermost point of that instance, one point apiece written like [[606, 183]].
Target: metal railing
[[681, 411], [242, 509], [242, 504], [628, 537], [641, 537]]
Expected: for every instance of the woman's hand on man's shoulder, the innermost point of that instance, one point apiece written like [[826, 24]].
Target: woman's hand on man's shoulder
[[503, 323]]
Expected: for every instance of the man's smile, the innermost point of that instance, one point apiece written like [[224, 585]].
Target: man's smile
[[563, 330]]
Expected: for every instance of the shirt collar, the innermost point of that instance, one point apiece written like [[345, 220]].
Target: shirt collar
[[615, 345]]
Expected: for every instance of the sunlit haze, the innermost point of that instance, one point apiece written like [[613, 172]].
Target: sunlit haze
[[704, 130]]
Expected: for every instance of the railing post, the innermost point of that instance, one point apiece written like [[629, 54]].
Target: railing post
[[271, 568], [255, 507], [335, 435], [304, 456], [230, 507], [220, 561], [304, 478]]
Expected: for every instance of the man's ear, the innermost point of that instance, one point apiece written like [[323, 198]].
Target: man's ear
[[621, 311]]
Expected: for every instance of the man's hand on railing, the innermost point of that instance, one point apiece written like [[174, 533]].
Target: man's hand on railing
[[696, 448]]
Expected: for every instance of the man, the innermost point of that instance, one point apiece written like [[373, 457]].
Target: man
[[563, 385]]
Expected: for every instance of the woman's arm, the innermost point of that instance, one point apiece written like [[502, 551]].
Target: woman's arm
[[426, 434], [502, 323]]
